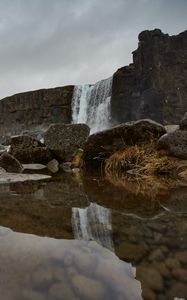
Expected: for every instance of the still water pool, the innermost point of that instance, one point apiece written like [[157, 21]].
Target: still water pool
[[94, 238]]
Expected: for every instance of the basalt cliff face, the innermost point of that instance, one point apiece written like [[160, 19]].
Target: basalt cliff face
[[35, 109], [153, 86]]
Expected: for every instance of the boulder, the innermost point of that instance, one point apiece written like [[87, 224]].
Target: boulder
[[64, 140], [104, 143], [183, 122], [175, 142], [29, 150], [10, 163]]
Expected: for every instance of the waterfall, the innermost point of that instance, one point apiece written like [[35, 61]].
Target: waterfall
[[91, 105], [93, 223]]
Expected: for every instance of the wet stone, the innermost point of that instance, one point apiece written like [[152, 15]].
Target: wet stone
[[172, 263], [61, 291], [182, 256], [42, 277], [32, 295], [150, 278], [180, 274], [178, 290], [131, 252], [156, 255], [148, 294], [163, 269], [88, 288], [85, 263]]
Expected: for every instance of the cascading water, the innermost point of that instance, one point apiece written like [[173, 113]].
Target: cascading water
[[91, 105], [93, 223]]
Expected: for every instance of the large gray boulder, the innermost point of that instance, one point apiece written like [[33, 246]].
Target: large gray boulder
[[29, 150], [64, 140], [10, 163], [175, 142], [104, 143]]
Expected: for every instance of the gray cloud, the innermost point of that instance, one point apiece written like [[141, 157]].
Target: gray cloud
[[46, 43]]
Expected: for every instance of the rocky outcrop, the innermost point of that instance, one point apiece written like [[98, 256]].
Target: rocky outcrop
[[154, 85], [29, 150], [175, 142], [35, 110], [10, 164], [64, 140], [104, 143]]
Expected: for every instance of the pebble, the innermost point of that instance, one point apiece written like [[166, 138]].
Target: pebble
[[156, 255], [172, 263], [85, 263], [180, 274], [148, 294], [32, 295], [61, 291], [150, 278], [163, 269], [178, 290], [131, 252], [181, 256], [42, 277], [88, 288]]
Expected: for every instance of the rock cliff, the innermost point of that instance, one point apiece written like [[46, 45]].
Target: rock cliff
[[37, 108], [154, 85]]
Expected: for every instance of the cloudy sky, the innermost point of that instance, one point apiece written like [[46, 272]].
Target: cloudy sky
[[48, 43]]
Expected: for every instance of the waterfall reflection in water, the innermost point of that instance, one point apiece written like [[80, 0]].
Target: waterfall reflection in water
[[93, 223], [33, 268]]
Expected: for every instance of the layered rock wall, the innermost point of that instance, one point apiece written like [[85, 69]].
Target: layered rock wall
[[37, 108], [154, 85]]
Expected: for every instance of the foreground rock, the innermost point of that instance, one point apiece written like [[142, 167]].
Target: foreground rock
[[102, 144], [29, 150], [64, 140], [10, 164], [175, 142]]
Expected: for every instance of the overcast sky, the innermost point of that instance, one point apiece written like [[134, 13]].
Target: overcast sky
[[48, 43]]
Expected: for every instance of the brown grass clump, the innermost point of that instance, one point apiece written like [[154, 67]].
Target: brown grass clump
[[158, 165], [144, 160]]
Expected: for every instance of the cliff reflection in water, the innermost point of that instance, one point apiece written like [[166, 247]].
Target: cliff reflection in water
[[93, 223], [62, 269]]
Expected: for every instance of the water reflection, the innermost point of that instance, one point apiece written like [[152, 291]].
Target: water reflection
[[35, 268], [93, 223], [146, 229]]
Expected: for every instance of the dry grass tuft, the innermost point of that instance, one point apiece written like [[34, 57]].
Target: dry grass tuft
[[145, 160]]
